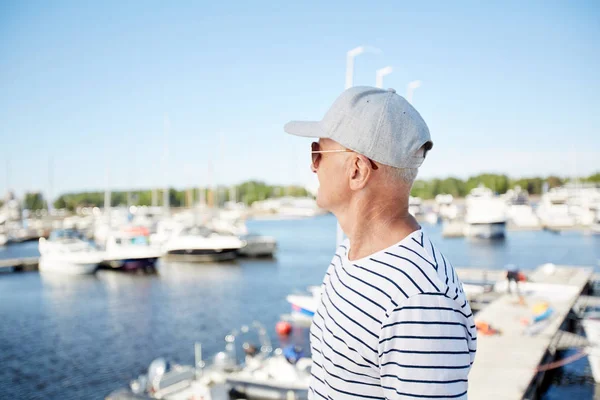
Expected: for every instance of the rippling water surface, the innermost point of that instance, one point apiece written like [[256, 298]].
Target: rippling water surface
[[82, 337]]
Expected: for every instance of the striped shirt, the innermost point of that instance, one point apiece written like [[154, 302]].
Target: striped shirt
[[393, 325]]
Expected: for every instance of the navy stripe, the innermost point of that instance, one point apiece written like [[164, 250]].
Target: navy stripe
[[426, 366], [422, 258], [314, 391], [424, 323], [346, 357], [346, 331], [445, 268], [432, 308], [433, 254], [416, 265], [421, 337], [377, 384], [383, 277], [352, 304], [425, 396], [362, 396], [347, 370], [342, 340], [424, 352], [358, 293], [347, 316], [417, 242], [341, 354], [404, 273], [372, 286], [316, 377], [423, 381]]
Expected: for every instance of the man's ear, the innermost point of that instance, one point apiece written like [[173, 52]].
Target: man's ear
[[360, 172]]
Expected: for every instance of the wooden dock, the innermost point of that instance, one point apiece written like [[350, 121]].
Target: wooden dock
[[19, 264], [506, 364]]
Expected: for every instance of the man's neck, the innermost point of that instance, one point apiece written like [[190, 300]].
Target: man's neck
[[375, 227]]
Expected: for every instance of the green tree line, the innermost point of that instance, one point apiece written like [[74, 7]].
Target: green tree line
[[247, 192], [499, 183], [251, 191]]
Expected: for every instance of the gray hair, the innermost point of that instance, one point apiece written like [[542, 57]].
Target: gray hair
[[404, 175]]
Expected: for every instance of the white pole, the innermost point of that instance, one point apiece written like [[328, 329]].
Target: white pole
[[410, 89], [166, 205], [50, 185], [154, 197], [349, 83], [107, 196], [380, 74], [232, 194]]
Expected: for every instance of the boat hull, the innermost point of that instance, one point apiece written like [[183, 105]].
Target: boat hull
[[201, 255], [591, 327], [493, 230], [258, 247], [265, 391], [67, 267]]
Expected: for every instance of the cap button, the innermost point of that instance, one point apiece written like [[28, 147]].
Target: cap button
[[391, 90]]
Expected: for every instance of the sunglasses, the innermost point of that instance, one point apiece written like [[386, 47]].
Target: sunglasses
[[316, 153]]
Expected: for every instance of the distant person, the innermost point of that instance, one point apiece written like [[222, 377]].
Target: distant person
[[393, 321]]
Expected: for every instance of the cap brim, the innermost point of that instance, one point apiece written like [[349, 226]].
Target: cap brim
[[305, 128]]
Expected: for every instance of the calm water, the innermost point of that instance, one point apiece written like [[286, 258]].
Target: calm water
[[80, 338]]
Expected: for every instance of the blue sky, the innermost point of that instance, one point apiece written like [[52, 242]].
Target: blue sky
[[511, 87]]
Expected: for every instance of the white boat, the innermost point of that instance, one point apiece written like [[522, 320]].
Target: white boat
[[305, 305], [287, 208], [519, 212], [129, 248], [445, 207], [264, 374], [591, 326], [486, 215], [595, 228], [268, 374], [258, 246], [170, 381], [553, 210], [198, 244], [65, 253], [415, 206], [3, 239], [276, 377]]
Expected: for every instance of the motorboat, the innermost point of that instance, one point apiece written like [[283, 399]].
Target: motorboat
[[519, 212], [305, 305], [486, 215], [415, 206], [258, 246], [554, 211], [129, 249], [266, 374], [65, 252], [591, 326], [198, 244], [445, 207], [171, 381], [284, 375]]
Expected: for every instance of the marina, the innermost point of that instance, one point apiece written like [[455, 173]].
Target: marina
[[136, 319]]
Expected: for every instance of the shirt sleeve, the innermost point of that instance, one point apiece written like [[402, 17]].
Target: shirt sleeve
[[426, 349]]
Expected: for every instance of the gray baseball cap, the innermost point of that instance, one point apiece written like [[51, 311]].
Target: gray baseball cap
[[376, 123]]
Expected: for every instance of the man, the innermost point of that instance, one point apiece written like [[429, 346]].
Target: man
[[393, 322]]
